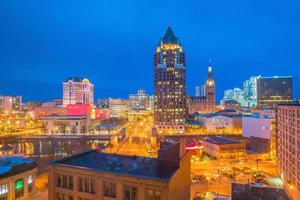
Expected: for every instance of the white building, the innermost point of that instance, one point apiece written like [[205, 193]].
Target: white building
[[221, 123], [256, 126], [139, 101], [78, 90], [118, 107]]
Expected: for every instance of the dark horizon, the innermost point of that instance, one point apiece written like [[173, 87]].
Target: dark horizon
[[43, 43]]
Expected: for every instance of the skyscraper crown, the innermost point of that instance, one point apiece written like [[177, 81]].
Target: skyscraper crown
[[169, 37]]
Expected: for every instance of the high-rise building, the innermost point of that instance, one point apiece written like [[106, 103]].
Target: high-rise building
[[274, 90], [139, 101], [78, 90], [169, 84], [197, 93], [247, 96], [10, 104], [205, 103], [288, 147]]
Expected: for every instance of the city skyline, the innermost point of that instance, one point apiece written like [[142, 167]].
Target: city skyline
[[255, 40]]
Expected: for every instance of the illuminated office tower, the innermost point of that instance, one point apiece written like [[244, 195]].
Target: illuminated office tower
[[169, 84], [274, 90], [78, 90]]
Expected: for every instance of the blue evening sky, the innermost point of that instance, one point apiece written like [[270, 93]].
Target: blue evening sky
[[112, 43]]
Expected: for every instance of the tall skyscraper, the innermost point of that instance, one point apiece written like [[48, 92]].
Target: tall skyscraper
[[288, 147], [169, 84], [78, 90], [274, 90]]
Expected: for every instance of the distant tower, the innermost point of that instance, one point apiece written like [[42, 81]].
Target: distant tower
[[210, 91], [197, 91], [169, 84]]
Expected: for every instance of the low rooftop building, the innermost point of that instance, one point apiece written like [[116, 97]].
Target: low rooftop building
[[96, 175], [17, 177], [221, 147]]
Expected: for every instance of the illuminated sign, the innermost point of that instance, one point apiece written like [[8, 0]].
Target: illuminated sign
[[19, 184]]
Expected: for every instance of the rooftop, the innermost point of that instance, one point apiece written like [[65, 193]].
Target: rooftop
[[13, 165], [219, 140], [125, 165], [64, 117]]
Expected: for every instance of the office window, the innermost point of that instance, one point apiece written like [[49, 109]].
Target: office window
[[19, 188], [153, 194], [130, 193], [110, 189]]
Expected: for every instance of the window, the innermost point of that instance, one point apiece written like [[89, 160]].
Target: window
[[86, 185], [30, 183], [130, 193], [64, 181], [153, 194], [19, 188], [60, 196], [110, 189], [4, 192]]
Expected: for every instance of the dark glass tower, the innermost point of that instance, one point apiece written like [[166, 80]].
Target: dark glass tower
[[169, 84]]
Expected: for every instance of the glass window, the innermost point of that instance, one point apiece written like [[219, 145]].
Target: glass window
[[130, 193], [110, 189], [19, 188], [80, 184], [153, 194], [4, 192], [30, 183]]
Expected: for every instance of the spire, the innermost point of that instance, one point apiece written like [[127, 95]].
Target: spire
[[210, 81], [169, 37]]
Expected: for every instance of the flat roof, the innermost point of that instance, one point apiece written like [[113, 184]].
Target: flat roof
[[65, 117], [219, 140], [13, 165], [124, 165]]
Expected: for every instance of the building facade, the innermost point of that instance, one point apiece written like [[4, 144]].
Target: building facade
[[139, 101], [78, 90], [57, 124], [274, 90], [206, 103], [288, 147], [10, 104], [220, 147], [169, 84], [94, 175], [17, 178]]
